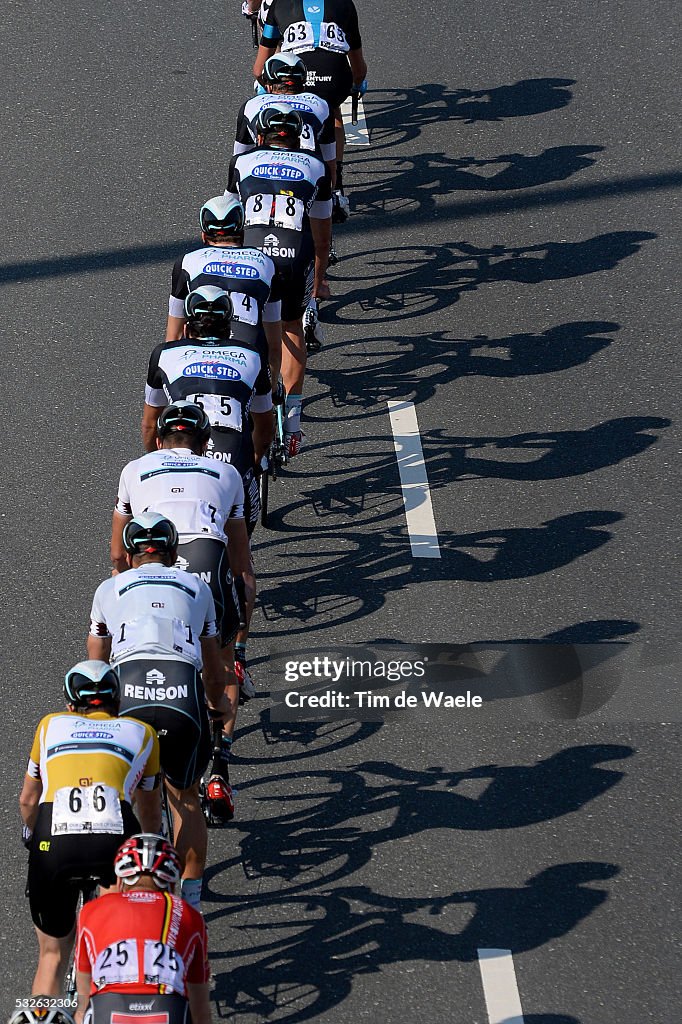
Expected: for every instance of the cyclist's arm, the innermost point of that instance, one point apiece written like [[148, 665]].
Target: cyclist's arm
[[264, 51], [123, 513], [98, 647], [199, 1003], [358, 66], [175, 327], [83, 986], [150, 414], [29, 800]]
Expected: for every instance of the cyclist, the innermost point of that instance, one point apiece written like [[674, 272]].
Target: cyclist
[[245, 273], [287, 201], [141, 952], [76, 805], [204, 498], [229, 379], [157, 624], [284, 79], [325, 33]]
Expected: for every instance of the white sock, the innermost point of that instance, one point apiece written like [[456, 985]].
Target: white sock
[[190, 890], [293, 413]]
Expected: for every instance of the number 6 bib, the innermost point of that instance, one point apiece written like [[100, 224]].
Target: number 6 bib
[[79, 809]]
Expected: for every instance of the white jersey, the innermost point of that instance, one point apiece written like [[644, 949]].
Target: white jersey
[[198, 494], [154, 610]]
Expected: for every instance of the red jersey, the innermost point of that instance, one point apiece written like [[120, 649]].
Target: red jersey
[[142, 941]]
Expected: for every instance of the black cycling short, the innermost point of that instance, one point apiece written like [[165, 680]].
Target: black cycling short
[[206, 557], [113, 1007], [169, 696], [56, 863], [293, 286], [333, 85]]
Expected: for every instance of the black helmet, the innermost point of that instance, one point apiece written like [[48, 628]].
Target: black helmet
[[148, 854], [222, 215], [150, 533], [91, 684], [285, 69], [279, 119], [185, 417], [209, 312]]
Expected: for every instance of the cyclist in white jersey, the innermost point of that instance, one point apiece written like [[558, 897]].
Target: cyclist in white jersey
[[204, 498], [245, 273], [157, 625]]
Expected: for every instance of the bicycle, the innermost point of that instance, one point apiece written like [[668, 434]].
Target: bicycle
[[274, 459], [87, 885]]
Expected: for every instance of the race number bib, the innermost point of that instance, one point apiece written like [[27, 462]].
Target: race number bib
[[258, 209], [332, 37], [288, 213], [222, 411], [151, 632], [298, 37], [245, 308], [307, 138], [117, 964], [163, 966], [94, 809]]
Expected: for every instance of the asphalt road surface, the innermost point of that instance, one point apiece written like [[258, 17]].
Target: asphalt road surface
[[510, 269]]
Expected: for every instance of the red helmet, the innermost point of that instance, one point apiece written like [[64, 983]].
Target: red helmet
[[148, 854]]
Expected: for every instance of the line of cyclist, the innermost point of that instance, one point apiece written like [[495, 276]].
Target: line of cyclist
[[166, 648]]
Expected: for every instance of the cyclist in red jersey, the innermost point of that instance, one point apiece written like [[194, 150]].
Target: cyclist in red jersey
[[142, 950]]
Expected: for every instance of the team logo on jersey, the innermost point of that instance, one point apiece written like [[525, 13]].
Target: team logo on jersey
[[212, 371], [230, 270], [91, 735], [271, 240], [297, 105], [279, 171], [182, 563]]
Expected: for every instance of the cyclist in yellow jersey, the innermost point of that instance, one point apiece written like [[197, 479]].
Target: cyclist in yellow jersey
[[76, 805]]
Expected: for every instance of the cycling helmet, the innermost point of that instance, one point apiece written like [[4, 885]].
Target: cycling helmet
[[38, 1014], [91, 684], [222, 215], [148, 854], [150, 533], [285, 69], [279, 119], [209, 312], [185, 417]]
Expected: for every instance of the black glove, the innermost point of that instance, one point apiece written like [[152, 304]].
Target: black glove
[[26, 836]]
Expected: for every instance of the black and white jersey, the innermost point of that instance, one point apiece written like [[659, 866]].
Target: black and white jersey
[[154, 610], [199, 495], [228, 379], [281, 190], [321, 33], [245, 273], [318, 123]]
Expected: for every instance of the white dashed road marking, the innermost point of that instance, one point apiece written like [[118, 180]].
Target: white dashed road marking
[[356, 134], [421, 525], [499, 986]]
